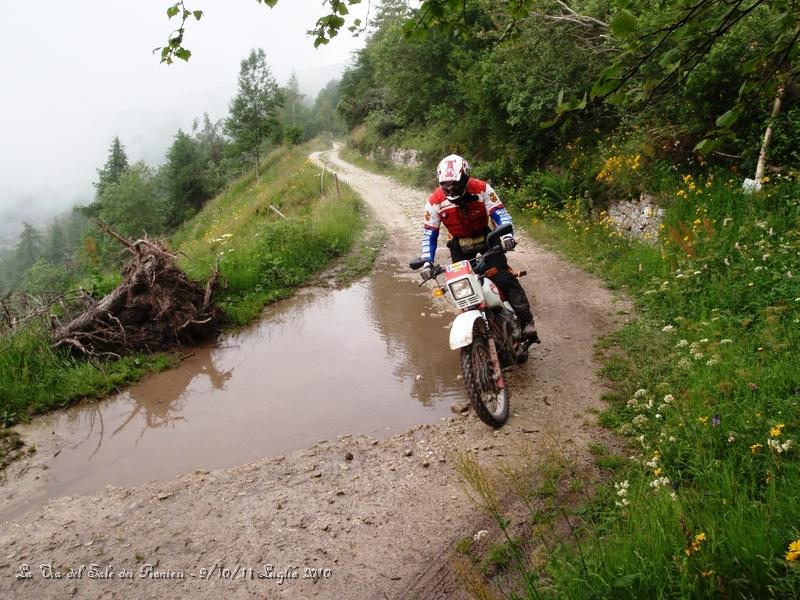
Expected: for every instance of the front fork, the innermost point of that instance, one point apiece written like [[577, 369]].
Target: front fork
[[498, 371]]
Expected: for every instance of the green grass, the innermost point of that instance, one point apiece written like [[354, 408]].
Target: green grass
[[262, 257], [707, 386], [36, 377]]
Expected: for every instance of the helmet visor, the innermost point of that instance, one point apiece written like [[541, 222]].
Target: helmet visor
[[454, 189]]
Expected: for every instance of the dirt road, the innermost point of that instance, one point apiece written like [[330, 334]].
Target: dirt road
[[347, 518]]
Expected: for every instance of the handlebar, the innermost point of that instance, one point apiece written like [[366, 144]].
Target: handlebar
[[475, 262]]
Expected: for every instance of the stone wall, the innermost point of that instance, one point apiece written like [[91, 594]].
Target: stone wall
[[399, 157], [638, 219]]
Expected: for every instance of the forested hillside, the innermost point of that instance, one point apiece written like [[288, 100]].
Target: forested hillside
[[210, 204], [568, 108], [572, 87], [137, 199]]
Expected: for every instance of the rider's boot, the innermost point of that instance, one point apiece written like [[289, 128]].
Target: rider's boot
[[529, 333]]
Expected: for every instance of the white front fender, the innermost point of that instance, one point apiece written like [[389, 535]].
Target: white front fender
[[461, 331]]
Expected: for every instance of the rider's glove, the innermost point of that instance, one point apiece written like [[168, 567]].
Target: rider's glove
[[427, 271], [508, 242]]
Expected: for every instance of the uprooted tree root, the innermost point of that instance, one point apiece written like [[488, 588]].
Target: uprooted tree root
[[155, 307]]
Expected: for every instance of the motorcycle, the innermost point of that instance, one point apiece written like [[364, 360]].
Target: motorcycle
[[487, 331]]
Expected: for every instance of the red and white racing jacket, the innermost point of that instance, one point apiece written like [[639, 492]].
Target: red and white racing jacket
[[468, 221]]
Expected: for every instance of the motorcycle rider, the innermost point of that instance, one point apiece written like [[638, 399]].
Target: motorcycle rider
[[463, 204]]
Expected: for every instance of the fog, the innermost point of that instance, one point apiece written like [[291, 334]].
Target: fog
[[75, 74]]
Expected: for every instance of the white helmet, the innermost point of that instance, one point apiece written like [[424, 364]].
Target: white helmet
[[453, 175]]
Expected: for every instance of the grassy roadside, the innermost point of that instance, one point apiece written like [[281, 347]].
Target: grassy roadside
[[707, 389], [262, 257], [706, 384]]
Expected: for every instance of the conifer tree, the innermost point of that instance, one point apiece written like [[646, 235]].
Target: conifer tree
[[115, 166], [253, 112]]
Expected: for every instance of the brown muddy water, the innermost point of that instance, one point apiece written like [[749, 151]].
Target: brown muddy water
[[360, 360]]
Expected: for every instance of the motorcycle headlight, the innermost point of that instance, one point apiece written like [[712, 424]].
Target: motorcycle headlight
[[461, 289]]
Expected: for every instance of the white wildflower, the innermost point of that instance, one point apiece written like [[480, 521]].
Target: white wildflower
[[726, 261], [674, 496], [704, 341], [669, 398], [639, 393], [714, 360], [774, 445], [731, 437], [725, 341], [622, 503], [672, 438], [682, 344], [667, 328], [639, 420], [659, 482], [480, 535], [698, 355]]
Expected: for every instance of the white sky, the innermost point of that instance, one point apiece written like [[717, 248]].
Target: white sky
[[76, 73]]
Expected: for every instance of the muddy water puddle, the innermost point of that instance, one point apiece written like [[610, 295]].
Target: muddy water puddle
[[360, 360]]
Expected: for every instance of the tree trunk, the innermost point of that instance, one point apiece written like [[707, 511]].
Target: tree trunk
[[762, 155], [258, 168]]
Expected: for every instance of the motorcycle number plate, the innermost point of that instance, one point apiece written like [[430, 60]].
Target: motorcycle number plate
[[458, 269]]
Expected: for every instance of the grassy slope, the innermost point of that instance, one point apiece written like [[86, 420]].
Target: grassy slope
[[707, 385], [261, 256]]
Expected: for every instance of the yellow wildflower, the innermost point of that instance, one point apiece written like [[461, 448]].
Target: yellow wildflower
[[708, 573], [755, 447], [702, 420], [794, 550], [776, 430], [695, 544]]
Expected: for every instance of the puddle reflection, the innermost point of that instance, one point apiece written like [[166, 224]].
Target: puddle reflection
[[357, 360]]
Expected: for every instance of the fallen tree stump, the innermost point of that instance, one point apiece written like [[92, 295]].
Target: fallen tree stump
[[155, 307]]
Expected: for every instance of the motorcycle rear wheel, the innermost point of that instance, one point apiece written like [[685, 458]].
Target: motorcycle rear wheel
[[490, 403]]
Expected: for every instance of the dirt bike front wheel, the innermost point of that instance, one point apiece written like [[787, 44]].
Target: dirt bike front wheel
[[490, 403]]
